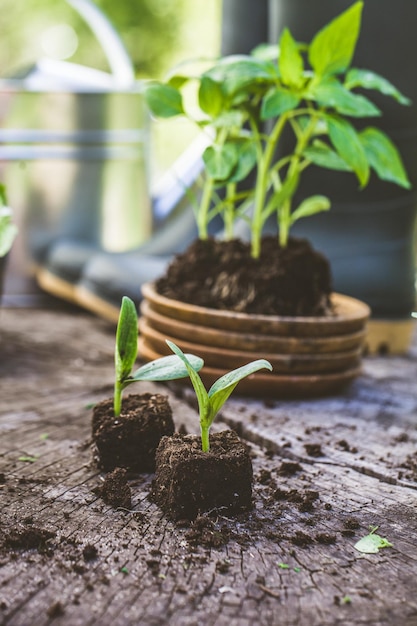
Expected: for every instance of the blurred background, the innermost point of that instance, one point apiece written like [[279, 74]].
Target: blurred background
[[157, 34]]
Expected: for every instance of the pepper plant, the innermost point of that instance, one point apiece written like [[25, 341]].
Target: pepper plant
[[163, 369], [210, 403], [245, 104]]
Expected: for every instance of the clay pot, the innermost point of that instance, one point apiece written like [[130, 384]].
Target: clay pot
[[310, 355], [189, 481]]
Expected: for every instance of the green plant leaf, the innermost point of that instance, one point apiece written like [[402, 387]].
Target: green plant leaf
[[290, 62], [163, 100], [247, 157], [126, 339], [178, 80], [322, 155], [220, 391], [166, 368], [331, 50], [277, 101], [228, 119], [220, 160], [372, 543], [200, 390], [265, 52], [210, 96], [370, 80], [330, 93], [238, 72], [310, 206], [384, 157], [348, 145]]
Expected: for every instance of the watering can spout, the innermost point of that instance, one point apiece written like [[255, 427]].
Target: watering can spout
[[119, 61]]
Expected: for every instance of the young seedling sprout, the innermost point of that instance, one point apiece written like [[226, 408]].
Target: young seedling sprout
[[210, 403], [163, 369]]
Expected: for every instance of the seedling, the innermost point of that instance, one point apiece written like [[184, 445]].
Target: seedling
[[8, 230], [248, 106], [163, 369], [210, 403]]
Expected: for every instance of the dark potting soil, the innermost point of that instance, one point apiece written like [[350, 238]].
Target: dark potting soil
[[116, 490], [131, 440], [293, 281], [189, 482]]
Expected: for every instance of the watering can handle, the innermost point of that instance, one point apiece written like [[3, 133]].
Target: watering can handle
[[117, 57]]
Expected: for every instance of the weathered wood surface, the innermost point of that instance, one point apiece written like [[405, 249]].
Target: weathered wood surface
[[148, 571]]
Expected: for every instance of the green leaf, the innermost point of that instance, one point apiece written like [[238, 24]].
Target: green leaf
[[229, 119], [221, 160], [290, 61], [210, 96], [247, 157], [166, 368], [266, 52], [163, 100], [370, 80], [178, 80], [322, 155], [310, 206], [332, 48], [241, 72], [220, 391], [277, 101], [348, 145], [330, 93], [384, 157], [372, 543], [200, 390], [126, 339]]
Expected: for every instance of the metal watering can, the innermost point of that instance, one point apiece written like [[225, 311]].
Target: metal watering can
[[73, 155]]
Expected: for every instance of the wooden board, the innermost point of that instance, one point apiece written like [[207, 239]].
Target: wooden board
[[288, 562]]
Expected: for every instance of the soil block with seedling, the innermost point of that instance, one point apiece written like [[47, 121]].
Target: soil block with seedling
[[197, 474], [126, 431]]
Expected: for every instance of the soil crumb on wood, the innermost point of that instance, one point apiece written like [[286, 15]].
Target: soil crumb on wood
[[115, 490]]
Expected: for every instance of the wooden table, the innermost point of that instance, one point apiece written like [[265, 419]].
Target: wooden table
[[326, 470]]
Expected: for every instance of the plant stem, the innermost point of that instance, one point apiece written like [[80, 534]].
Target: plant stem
[[202, 216], [228, 214], [262, 184], [205, 441], [117, 400]]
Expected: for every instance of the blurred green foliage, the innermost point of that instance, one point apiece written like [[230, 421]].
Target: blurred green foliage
[[155, 32]]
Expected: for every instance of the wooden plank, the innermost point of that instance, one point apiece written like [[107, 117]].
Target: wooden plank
[[228, 571]]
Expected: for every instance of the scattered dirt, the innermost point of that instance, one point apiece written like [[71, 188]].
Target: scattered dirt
[[188, 481], [131, 440], [295, 280], [115, 489]]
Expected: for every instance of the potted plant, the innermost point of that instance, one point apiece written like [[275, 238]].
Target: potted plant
[[126, 431], [197, 474], [8, 232], [277, 288]]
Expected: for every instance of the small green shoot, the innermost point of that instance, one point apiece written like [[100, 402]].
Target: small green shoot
[[28, 458], [163, 369], [210, 403], [283, 566], [372, 543]]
